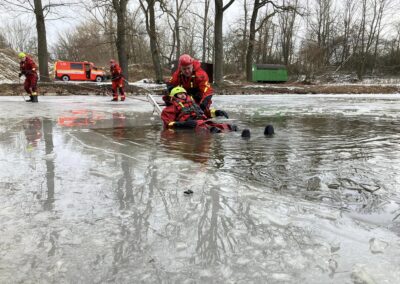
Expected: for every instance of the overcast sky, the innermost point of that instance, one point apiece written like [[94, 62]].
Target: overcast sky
[[75, 15]]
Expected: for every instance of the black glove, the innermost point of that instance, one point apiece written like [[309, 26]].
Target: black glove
[[204, 103], [169, 88], [186, 124], [20, 74], [165, 93], [219, 112], [167, 100]]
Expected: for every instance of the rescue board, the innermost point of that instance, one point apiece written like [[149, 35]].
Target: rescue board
[[156, 106]]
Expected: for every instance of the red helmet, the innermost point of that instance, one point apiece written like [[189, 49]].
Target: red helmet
[[185, 60]]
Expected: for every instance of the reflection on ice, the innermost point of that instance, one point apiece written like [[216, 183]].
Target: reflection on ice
[[93, 192]]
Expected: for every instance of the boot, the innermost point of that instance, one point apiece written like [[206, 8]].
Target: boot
[[35, 98], [30, 100], [246, 133], [114, 99], [269, 130], [122, 98]]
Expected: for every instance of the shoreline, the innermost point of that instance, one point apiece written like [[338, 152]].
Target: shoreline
[[104, 89]]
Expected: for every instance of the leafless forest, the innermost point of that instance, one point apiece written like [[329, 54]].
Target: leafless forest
[[309, 36]]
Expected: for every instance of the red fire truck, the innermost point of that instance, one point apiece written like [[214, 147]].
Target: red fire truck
[[78, 71]]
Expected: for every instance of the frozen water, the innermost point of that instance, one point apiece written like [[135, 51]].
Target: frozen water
[[92, 191]]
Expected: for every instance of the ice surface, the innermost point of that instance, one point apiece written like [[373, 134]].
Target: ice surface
[[92, 191]]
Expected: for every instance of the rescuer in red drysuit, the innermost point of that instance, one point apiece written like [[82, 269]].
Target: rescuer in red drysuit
[[28, 68], [117, 81], [183, 112]]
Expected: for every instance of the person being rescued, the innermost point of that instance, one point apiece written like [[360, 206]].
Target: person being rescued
[[28, 68], [183, 112], [194, 79], [117, 81]]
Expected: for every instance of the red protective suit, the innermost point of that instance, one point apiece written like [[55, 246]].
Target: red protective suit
[[28, 68], [181, 110], [197, 85], [117, 81]]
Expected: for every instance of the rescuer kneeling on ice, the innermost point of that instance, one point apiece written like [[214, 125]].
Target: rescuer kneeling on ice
[[28, 68], [183, 112], [194, 79]]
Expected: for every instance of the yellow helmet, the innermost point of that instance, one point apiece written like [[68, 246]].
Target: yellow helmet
[[21, 55], [177, 90]]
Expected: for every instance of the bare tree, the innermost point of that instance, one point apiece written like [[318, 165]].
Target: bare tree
[[324, 26], [287, 20], [205, 30], [119, 7], [40, 11], [120, 10], [218, 39], [206, 24], [42, 41], [258, 4], [175, 12], [79, 44], [348, 19], [369, 33], [148, 7], [19, 36], [137, 40]]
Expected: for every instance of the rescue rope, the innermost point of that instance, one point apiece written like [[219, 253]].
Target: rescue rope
[[23, 96]]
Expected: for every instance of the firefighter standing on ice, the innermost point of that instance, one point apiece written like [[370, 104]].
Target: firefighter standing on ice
[[117, 81], [28, 68]]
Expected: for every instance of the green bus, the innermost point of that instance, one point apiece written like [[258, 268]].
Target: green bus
[[269, 73]]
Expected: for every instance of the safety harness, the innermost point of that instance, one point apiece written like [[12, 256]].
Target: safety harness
[[188, 109]]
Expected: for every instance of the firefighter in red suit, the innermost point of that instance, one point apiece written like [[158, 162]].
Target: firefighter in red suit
[[28, 68], [183, 112], [117, 81], [194, 79]]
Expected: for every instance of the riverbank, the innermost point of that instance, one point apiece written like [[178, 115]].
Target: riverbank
[[142, 87]]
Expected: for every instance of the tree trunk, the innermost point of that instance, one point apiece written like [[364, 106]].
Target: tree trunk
[[42, 42], [244, 39], [178, 40], [218, 45], [250, 46], [120, 9], [218, 38], [204, 45], [152, 31]]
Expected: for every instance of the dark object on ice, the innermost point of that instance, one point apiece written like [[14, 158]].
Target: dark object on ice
[[214, 130], [114, 100], [246, 133], [234, 127], [189, 191], [219, 112], [269, 130]]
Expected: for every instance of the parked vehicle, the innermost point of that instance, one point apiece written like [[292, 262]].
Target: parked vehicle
[[78, 71]]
